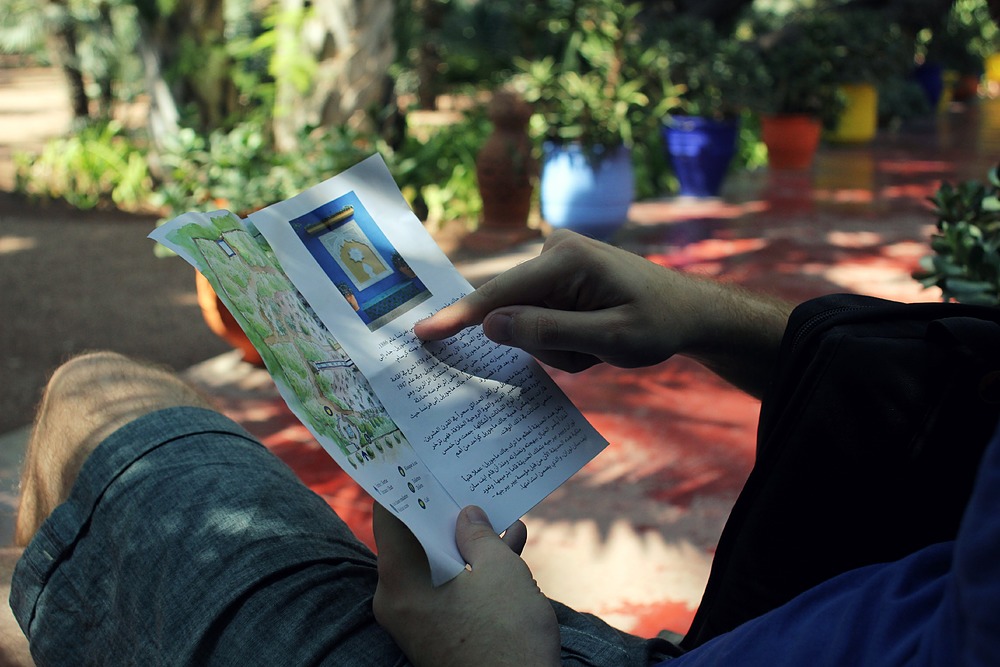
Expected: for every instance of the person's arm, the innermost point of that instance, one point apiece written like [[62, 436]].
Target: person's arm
[[582, 302], [491, 614]]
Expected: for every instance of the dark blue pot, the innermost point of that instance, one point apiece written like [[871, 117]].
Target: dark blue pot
[[700, 150], [930, 76], [589, 194]]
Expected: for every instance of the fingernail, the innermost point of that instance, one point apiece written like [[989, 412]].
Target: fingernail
[[499, 328], [420, 324], [476, 515]]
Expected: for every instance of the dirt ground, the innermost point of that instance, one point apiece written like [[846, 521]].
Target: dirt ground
[[72, 281]]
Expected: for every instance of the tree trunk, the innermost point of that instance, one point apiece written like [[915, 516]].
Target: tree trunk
[[105, 78], [430, 14], [351, 42], [186, 66], [163, 118], [63, 43]]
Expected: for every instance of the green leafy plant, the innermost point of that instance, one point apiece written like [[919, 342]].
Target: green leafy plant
[[967, 36], [809, 54], [93, 41], [965, 262], [901, 99], [103, 165], [438, 175], [595, 93], [265, 55], [240, 169], [695, 70], [799, 66], [865, 46], [751, 152], [99, 165]]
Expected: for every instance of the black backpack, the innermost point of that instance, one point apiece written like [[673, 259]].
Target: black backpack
[[869, 438]]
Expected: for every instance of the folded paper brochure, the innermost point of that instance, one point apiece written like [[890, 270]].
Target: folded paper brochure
[[328, 285]]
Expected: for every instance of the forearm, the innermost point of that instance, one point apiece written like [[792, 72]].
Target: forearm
[[739, 334]]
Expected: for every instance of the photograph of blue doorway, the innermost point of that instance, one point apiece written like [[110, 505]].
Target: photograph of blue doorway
[[351, 248]]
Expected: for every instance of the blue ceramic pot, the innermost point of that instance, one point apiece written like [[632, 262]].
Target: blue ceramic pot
[[700, 150], [587, 193], [930, 76]]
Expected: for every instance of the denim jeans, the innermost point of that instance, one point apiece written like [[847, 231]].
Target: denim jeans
[[186, 542]]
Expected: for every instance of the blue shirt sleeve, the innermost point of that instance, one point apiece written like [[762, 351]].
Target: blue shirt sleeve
[[938, 606]]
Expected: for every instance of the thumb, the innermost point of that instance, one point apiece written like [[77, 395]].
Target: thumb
[[400, 556], [477, 541], [537, 328], [568, 340]]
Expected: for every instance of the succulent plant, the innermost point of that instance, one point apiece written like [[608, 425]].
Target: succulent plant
[[965, 259]]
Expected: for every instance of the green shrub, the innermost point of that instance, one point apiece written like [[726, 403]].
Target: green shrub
[[593, 94], [965, 262], [438, 175], [100, 165], [964, 39], [698, 70], [899, 100], [239, 169]]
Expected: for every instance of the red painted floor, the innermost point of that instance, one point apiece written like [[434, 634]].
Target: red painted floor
[[630, 538]]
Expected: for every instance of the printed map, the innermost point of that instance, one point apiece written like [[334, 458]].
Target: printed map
[[331, 395]]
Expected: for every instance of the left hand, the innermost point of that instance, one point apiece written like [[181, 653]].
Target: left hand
[[493, 614]]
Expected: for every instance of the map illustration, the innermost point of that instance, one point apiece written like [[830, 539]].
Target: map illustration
[[331, 395]]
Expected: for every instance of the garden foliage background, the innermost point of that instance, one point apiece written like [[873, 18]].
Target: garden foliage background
[[246, 102]]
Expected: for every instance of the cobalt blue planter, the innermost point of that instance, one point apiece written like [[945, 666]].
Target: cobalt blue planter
[[930, 76], [700, 150], [589, 194]]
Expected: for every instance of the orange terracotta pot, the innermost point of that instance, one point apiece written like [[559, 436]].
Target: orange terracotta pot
[[966, 88], [791, 140], [221, 321]]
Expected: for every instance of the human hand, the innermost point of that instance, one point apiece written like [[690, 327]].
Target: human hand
[[581, 302], [492, 614]]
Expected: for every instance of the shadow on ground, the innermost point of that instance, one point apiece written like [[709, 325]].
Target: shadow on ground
[[73, 281]]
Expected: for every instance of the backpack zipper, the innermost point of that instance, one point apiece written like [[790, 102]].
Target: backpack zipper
[[818, 319]]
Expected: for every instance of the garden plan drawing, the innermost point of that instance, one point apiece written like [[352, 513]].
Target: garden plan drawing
[[302, 355]]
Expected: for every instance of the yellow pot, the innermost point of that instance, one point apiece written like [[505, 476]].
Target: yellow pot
[[859, 120], [993, 68]]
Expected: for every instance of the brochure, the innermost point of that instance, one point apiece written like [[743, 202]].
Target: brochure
[[328, 285]]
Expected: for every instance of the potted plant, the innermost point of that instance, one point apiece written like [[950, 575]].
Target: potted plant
[[867, 50], [585, 107], [960, 46], [800, 95], [699, 82], [965, 259]]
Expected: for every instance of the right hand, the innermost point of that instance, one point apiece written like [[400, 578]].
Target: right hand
[[581, 302]]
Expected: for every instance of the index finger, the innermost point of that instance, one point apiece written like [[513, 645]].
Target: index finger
[[523, 285]]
